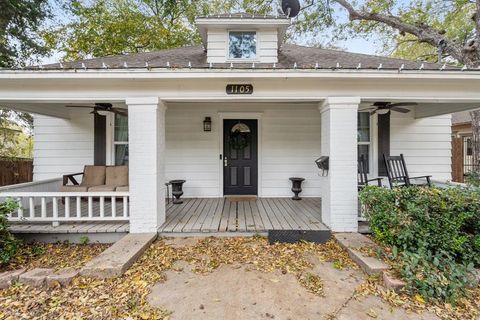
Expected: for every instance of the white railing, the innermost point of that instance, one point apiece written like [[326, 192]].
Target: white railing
[[59, 207], [48, 185]]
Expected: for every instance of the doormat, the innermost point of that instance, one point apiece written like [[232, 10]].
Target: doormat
[[293, 236], [239, 199]]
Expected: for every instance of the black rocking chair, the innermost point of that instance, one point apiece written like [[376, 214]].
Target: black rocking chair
[[363, 174], [398, 175]]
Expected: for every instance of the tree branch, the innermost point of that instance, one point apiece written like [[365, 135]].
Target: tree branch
[[467, 54]]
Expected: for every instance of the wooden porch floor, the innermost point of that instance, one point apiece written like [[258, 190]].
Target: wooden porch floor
[[198, 215], [237, 215]]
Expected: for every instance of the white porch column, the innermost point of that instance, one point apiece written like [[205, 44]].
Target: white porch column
[[146, 133], [339, 142]]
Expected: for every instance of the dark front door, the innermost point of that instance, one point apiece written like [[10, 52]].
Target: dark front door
[[240, 157]]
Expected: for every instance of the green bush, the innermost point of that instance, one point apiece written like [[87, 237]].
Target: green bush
[[434, 235], [473, 178], [8, 244]]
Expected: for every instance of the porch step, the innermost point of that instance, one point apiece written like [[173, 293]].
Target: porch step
[[114, 261], [292, 236], [354, 243]]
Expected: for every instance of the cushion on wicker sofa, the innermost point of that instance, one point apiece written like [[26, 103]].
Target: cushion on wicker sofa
[[102, 188], [117, 176], [73, 189], [122, 189], [93, 176]]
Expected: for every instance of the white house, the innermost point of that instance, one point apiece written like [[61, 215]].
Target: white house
[[294, 103]]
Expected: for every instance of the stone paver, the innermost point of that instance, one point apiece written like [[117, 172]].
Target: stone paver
[[61, 277], [7, 278], [352, 242], [392, 283], [114, 261], [35, 277]]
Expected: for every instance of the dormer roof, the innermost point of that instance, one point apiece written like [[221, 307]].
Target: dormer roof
[[241, 21]]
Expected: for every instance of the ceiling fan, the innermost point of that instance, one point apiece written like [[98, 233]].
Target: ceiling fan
[[104, 107], [384, 107]]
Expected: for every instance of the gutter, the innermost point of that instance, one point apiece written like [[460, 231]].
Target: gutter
[[207, 73]]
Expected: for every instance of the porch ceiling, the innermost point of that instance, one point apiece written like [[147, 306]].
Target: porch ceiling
[[57, 109], [425, 109]]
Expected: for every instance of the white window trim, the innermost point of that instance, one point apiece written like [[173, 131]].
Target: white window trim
[[111, 143], [373, 146], [255, 59]]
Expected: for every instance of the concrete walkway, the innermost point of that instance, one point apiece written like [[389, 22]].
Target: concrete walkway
[[235, 292]]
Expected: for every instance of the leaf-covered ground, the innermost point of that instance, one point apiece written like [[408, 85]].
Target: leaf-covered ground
[[56, 256], [466, 308], [126, 296]]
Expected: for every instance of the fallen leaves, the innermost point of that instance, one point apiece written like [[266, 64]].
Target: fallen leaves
[[312, 283], [465, 308], [126, 296], [57, 256]]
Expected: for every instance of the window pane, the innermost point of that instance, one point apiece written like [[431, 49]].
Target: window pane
[[363, 149], [363, 134], [121, 128], [121, 154], [243, 45]]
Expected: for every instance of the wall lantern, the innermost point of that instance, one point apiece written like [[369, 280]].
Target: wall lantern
[[207, 124]]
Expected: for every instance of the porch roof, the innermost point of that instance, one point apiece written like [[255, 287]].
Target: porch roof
[[290, 57]]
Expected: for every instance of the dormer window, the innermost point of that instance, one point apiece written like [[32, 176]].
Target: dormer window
[[242, 45]]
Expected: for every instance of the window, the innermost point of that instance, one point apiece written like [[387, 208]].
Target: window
[[120, 140], [363, 136], [242, 45]]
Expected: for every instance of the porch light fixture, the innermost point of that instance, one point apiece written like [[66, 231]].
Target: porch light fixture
[[207, 124]]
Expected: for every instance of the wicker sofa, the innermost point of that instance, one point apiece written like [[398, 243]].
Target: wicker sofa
[[97, 179]]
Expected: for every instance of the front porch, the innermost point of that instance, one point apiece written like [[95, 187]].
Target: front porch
[[242, 216], [255, 215]]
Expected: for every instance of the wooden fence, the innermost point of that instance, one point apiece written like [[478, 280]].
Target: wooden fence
[[457, 160], [14, 170]]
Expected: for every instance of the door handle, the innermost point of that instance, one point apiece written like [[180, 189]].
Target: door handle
[[225, 162]]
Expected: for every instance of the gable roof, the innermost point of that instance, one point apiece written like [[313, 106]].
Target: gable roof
[[289, 57]]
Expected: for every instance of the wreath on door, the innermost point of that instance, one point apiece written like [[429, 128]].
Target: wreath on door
[[239, 137]]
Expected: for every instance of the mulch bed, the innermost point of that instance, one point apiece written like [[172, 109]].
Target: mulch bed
[[56, 256]]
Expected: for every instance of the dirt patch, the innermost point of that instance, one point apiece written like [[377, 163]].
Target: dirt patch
[[233, 292], [55, 256]]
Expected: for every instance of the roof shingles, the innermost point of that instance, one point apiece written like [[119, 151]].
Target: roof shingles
[[289, 57]]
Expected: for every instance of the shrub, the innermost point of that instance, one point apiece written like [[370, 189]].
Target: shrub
[[473, 178], [434, 235], [8, 244]]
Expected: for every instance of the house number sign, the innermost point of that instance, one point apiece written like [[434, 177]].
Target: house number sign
[[239, 89]]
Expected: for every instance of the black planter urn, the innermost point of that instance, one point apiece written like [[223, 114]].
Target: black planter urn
[[296, 187], [177, 190]]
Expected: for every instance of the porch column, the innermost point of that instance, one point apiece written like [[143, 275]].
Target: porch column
[[146, 133], [339, 142]]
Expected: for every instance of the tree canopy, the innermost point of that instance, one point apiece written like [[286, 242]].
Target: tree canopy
[[413, 29], [20, 23]]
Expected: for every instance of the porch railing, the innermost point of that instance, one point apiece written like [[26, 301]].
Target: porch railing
[[50, 205], [77, 206]]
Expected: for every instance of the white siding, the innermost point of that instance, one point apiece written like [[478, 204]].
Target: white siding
[[290, 142], [62, 146], [217, 46], [425, 143]]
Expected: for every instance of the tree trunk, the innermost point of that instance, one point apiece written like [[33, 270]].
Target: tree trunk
[[475, 139]]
